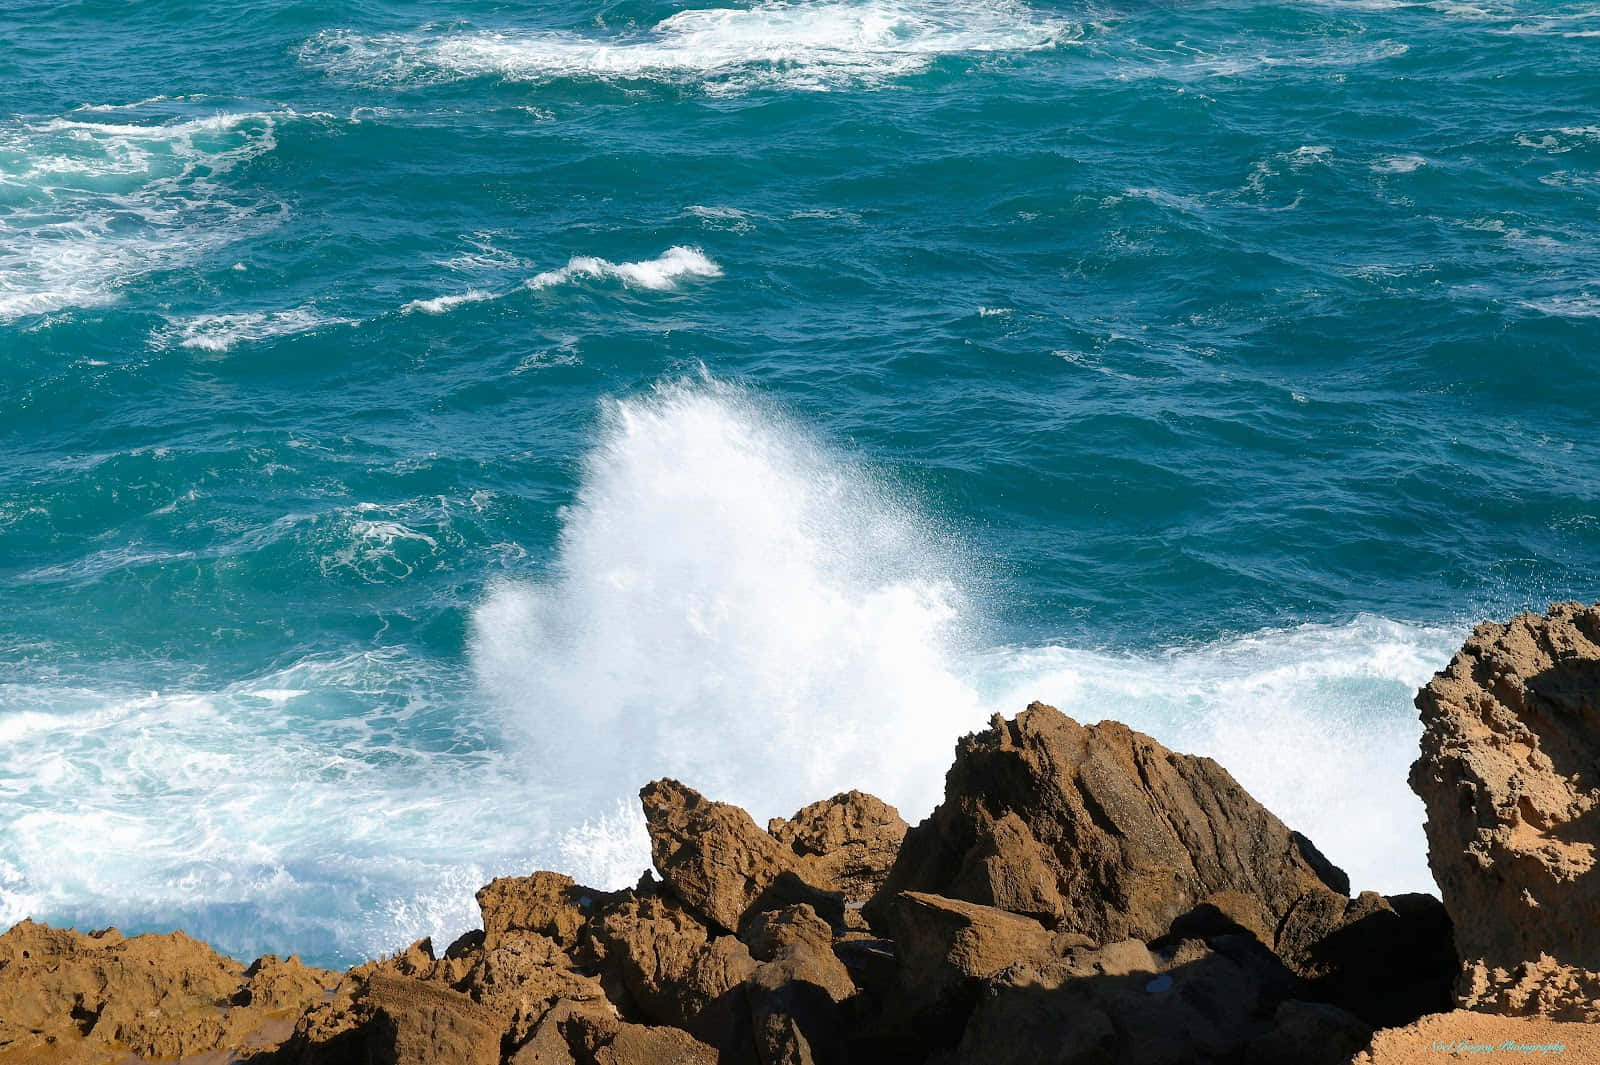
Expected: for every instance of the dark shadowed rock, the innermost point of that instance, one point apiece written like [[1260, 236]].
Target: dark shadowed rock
[[1308, 1033], [1510, 775], [1123, 1004], [720, 864], [1099, 830], [847, 843], [1386, 960]]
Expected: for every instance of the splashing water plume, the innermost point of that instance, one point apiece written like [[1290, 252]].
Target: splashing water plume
[[736, 607]]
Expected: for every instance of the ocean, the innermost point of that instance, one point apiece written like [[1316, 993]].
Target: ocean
[[424, 423]]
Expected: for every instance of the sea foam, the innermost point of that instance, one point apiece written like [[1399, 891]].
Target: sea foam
[[814, 46], [96, 205], [223, 332]]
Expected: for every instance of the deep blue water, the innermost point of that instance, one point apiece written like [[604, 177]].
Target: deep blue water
[[423, 423]]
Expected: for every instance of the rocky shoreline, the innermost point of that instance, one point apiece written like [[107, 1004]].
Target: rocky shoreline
[[1082, 895]]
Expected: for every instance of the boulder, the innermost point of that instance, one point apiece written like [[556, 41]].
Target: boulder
[[675, 969], [1510, 775], [795, 992], [720, 864], [1307, 1033], [638, 1044], [1099, 830], [99, 997], [575, 1033], [550, 904], [946, 949], [410, 1002], [847, 843], [416, 1022]]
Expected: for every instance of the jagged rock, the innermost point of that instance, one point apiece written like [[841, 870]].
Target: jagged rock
[[520, 976], [719, 863], [1099, 830], [280, 987], [569, 1033], [509, 985], [678, 971], [1510, 775], [550, 904], [68, 996], [847, 842], [1542, 986], [799, 942]]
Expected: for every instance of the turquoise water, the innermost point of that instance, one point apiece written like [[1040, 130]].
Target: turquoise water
[[424, 423]]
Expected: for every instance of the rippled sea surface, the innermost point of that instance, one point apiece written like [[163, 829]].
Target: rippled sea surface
[[421, 424]]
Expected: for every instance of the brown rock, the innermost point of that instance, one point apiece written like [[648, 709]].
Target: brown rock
[[509, 985], [280, 987], [946, 949], [578, 1033], [1510, 776], [1469, 1036], [675, 969], [721, 865], [795, 993], [420, 1023], [520, 977], [570, 1033], [847, 842], [799, 942], [547, 903], [637, 1044], [1542, 987], [67, 996], [1099, 830]]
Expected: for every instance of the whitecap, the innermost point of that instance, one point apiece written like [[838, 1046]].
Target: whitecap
[[1399, 164], [730, 219], [448, 303], [223, 332], [813, 46], [663, 272]]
